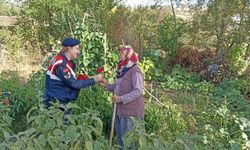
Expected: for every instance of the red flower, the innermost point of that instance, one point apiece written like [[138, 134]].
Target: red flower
[[99, 70], [82, 77]]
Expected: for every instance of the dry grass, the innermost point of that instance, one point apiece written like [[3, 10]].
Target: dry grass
[[193, 59]]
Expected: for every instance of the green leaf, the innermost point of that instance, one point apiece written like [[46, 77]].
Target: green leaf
[[247, 129], [50, 124], [30, 145], [235, 147], [142, 141], [38, 145], [2, 146], [73, 105], [30, 131], [42, 140], [59, 134], [7, 136], [89, 145], [190, 146], [244, 136]]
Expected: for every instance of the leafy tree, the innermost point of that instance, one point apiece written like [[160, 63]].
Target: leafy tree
[[221, 24], [7, 8], [134, 26], [44, 21], [170, 33]]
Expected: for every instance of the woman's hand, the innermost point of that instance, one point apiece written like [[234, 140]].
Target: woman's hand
[[116, 99], [103, 83]]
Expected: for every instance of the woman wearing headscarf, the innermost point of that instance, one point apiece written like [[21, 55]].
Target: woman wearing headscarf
[[128, 92]]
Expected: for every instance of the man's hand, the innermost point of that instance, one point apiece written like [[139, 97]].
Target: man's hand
[[98, 77], [116, 99]]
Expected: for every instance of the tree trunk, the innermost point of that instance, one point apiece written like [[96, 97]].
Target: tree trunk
[[140, 35], [247, 56], [220, 46], [175, 24]]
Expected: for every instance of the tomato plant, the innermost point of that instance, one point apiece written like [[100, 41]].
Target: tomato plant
[[95, 51]]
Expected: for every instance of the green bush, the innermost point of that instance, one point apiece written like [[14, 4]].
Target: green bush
[[225, 130], [5, 119], [147, 67], [47, 131], [95, 52], [167, 121], [36, 82], [233, 91], [218, 128], [179, 79], [45, 21], [8, 9], [95, 98], [22, 98], [238, 63], [169, 37]]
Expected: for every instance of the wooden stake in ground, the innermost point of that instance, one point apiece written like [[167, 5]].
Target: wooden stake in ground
[[112, 127]]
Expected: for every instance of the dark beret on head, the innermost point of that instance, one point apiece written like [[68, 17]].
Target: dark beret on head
[[70, 42]]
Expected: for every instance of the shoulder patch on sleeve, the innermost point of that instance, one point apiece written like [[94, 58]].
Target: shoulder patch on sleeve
[[66, 70], [67, 75]]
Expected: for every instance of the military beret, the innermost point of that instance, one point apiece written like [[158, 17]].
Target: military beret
[[70, 42]]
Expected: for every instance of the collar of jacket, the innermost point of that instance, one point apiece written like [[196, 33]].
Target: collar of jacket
[[70, 61]]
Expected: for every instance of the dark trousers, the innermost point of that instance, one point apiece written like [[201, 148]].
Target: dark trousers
[[66, 112], [123, 125]]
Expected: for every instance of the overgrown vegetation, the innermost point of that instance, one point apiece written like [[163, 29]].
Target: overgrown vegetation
[[197, 110]]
